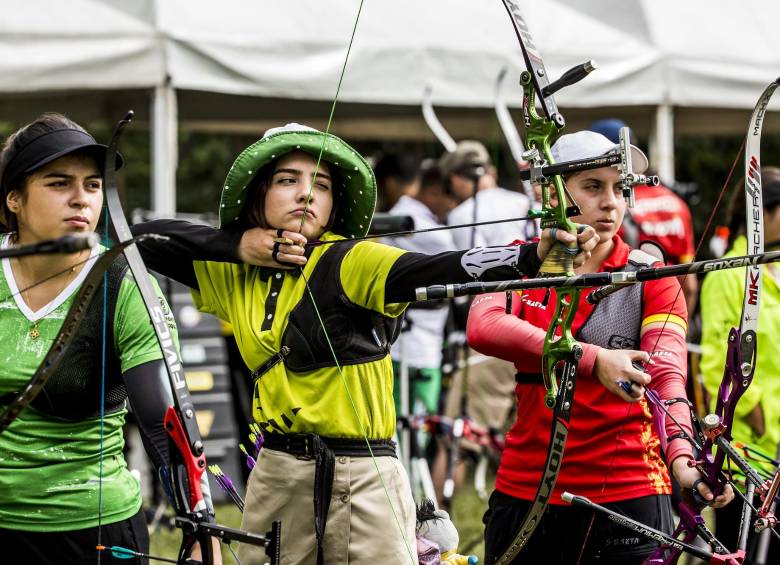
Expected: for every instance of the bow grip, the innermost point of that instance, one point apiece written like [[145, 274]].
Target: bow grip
[[195, 465]]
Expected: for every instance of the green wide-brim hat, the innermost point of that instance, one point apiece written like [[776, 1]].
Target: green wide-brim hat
[[353, 180]]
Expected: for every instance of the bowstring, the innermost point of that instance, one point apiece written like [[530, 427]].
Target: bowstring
[[363, 429], [102, 397], [426, 230], [308, 287]]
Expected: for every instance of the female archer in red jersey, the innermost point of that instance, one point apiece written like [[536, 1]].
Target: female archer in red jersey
[[613, 454]]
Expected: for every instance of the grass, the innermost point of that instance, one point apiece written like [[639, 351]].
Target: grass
[[467, 511]]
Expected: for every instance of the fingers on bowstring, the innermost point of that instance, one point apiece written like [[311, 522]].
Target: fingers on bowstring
[[292, 259], [289, 237], [288, 248]]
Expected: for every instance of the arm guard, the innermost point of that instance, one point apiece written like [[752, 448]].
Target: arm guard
[[148, 390]]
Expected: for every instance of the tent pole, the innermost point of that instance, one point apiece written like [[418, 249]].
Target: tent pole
[[164, 149], [662, 143]]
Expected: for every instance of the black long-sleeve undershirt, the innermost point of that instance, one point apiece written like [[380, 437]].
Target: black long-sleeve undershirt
[[194, 242], [150, 395], [187, 242]]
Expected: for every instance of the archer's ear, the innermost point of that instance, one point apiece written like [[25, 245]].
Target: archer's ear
[[13, 200]]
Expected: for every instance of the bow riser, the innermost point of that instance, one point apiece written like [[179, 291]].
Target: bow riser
[[561, 347]]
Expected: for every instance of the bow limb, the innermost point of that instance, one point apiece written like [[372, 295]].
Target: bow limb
[[739, 369], [182, 481], [179, 420], [561, 353], [513, 140], [433, 123]]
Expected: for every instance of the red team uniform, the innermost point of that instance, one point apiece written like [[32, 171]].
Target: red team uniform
[[663, 217], [607, 440]]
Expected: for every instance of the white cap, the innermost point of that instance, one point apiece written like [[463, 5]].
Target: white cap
[[588, 144]]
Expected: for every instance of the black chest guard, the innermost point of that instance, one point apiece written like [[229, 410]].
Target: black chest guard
[[73, 392], [358, 335]]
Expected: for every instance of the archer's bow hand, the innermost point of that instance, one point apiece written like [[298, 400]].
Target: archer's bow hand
[[278, 249], [197, 555], [689, 478], [616, 367], [587, 238]]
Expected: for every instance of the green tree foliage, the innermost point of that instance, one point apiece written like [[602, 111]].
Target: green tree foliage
[[204, 159]]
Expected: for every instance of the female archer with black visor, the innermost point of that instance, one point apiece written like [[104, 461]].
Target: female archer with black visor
[[261, 273], [64, 483]]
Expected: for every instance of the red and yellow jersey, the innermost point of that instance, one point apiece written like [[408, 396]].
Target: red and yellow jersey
[[613, 451], [663, 217]]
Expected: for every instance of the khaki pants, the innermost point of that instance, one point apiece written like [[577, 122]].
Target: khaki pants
[[361, 528], [491, 387]]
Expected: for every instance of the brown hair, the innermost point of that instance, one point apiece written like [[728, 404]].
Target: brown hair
[[736, 205], [44, 123]]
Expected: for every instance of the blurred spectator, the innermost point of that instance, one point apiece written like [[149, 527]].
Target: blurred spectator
[[659, 215], [757, 416], [488, 383], [396, 176], [469, 174], [420, 344]]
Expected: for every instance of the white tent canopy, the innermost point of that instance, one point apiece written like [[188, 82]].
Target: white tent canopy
[[702, 53], [297, 49], [76, 45], [670, 59]]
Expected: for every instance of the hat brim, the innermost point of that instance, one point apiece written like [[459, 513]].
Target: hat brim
[[356, 188], [96, 150]]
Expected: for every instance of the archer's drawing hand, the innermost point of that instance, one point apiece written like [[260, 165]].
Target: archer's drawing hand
[[257, 248], [690, 478], [615, 366], [587, 238]]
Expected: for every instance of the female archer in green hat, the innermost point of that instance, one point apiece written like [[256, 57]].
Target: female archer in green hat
[[314, 316]]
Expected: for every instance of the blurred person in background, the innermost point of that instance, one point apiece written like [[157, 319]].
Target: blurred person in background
[[757, 416], [471, 177], [64, 482], [481, 387], [658, 215], [396, 176], [420, 344]]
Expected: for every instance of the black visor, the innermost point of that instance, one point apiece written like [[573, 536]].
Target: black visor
[[49, 147]]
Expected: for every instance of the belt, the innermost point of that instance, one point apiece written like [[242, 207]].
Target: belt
[[309, 445], [324, 451]]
